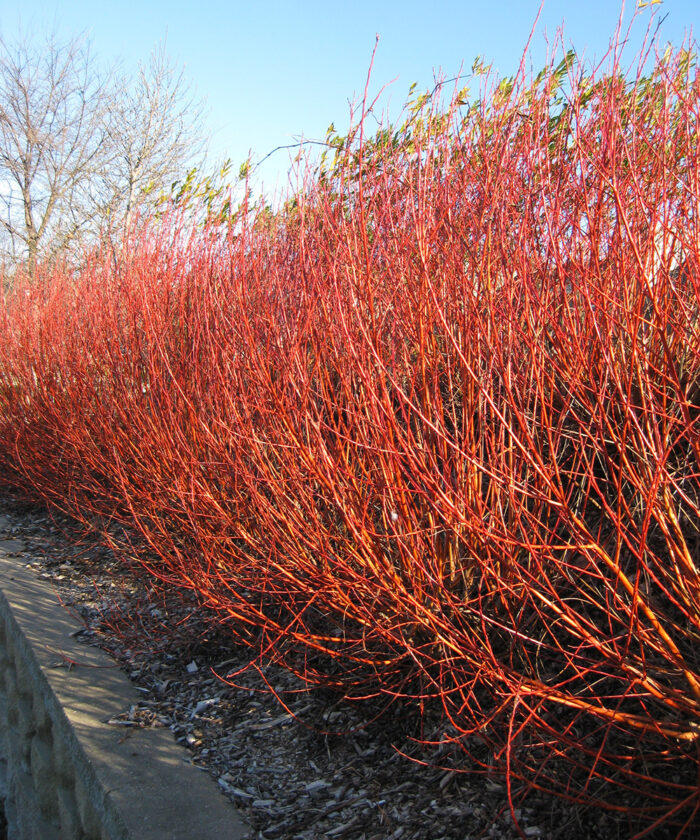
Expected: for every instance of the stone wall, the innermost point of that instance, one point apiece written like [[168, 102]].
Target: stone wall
[[65, 773]]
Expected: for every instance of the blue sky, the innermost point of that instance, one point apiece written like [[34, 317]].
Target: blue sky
[[272, 71]]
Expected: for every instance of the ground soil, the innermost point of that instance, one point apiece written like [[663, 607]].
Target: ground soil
[[298, 764]]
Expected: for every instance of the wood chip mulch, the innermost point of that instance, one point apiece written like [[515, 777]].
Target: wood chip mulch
[[313, 768]]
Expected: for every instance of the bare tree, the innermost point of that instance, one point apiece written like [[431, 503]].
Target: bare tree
[[52, 142], [81, 149], [153, 136]]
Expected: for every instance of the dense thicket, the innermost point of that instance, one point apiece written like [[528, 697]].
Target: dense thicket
[[433, 428]]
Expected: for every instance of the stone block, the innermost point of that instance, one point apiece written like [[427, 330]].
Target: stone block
[[9, 647], [42, 719], [89, 820], [25, 686], [68, 816], [62, 760], [11, 688], [43, 776], [25, 820], [25, 718]]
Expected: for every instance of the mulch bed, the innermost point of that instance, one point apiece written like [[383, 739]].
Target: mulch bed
[[297, 764]]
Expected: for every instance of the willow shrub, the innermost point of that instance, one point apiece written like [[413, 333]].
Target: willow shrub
[[431, 430]]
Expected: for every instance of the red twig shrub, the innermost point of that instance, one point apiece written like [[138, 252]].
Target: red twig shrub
[[434, 428]]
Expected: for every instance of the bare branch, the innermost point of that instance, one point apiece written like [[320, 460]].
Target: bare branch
[[81, 149], [153, 136]]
